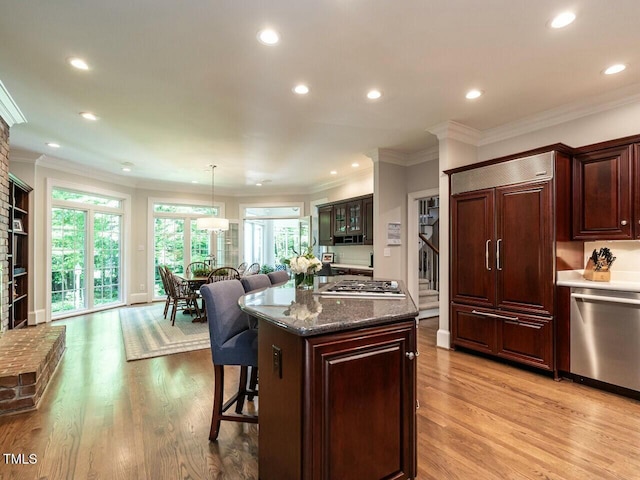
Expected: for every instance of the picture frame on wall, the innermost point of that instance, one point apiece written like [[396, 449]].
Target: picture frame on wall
[[17, 225], [328, 257]]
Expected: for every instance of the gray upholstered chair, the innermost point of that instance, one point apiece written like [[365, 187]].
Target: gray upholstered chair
[[254, 282], [279, 276], [232, 343]]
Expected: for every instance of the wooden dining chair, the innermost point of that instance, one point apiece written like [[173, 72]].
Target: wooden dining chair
[[223, 273], [232, 343], [195, 266], [181, 294], [242, 268], [163, 271], [252, 269]]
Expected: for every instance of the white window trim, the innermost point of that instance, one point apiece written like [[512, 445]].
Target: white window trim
[[51, 184]]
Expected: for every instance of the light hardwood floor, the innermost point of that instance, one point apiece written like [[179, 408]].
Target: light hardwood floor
[[105, 418]]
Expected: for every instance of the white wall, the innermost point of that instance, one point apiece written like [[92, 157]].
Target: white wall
[[389, 206]]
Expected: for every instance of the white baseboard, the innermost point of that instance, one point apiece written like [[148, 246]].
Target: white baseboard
[[443, 339], [138, 298], [429, 313], [37, 316]]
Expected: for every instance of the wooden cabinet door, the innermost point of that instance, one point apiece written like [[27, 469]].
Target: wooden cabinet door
[[524, 248], [362, 404], [473, 248], [526, 339], [340, 219], [367, 207], [325, 228], [602, 195], [471, 329]]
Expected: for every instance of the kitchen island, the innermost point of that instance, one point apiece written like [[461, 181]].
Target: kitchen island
[[337, 385]]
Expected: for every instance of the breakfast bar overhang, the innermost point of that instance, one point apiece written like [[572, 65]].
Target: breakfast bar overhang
[[337, 384]]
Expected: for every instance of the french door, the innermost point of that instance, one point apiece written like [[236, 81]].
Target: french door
[[86, 259]]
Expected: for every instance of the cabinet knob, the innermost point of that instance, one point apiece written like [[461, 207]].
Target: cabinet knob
[[623, 223], [411, 355]]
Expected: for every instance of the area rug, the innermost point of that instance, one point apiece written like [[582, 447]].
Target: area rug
[[148, 334]]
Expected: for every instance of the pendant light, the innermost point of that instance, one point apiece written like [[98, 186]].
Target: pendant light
[[212, 223]]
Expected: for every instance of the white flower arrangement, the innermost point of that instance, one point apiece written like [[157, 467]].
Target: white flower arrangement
[[304, 263]]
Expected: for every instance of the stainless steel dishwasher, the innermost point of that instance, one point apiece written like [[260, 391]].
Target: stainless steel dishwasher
[[605, 336]]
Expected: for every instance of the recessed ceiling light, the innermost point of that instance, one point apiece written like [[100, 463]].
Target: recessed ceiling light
[[301, 89], [194, 181], [613, 69], [562, 20], [355, 164], [126, 169], [89, 116], [258, 184], [333, 172], [471, 94], [53, 145], [78, 63], [268, 37], [126, 166], [374, 94]]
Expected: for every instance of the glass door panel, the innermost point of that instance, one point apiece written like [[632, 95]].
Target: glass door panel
[[107, 235], [68, 260]]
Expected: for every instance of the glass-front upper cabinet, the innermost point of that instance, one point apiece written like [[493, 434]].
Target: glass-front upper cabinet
[[354, 211], [340, 219]]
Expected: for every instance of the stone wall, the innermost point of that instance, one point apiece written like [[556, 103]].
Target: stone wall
[[4, 224]]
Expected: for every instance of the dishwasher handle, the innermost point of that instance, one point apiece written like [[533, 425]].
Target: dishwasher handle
[[605, 298]]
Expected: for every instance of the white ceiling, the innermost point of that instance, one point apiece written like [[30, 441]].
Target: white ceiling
[[182, 84]]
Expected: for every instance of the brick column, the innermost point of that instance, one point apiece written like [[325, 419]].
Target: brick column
[[4, 224]]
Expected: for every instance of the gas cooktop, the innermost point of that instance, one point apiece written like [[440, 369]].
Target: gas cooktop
[[364, 288]]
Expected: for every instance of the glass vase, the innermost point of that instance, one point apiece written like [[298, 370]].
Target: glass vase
[[304, 281]]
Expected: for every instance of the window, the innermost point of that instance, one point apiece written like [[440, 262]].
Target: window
[[178, 241], [86, 251], [274, 233]]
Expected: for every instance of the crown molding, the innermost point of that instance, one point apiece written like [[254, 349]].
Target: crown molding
[[9, 111], [66, 166], [426, 155], [456, 131], [387, 155], [557, 116]]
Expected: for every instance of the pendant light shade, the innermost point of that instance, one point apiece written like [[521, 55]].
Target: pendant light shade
[[212, 223]]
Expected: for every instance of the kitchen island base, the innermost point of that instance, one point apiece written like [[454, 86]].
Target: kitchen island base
[[338, 405]]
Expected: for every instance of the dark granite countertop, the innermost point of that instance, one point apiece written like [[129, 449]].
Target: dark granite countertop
[[305, 314]]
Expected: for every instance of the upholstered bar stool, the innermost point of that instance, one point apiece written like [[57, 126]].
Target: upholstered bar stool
[[254, 282], [232, 343], [279, 276]]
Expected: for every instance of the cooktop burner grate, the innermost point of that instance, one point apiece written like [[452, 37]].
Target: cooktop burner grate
[[357, 288]]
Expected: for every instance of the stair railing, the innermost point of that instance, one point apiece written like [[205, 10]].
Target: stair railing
[[428, 268]]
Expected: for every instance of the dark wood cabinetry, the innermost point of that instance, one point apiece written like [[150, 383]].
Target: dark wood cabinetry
[[312, 412], [18, 252], [325, 225], [603, 189], [367, 207], [523, 338], [503, 258], [502, 246], [349, 222]]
